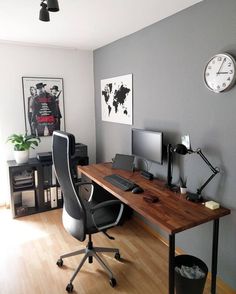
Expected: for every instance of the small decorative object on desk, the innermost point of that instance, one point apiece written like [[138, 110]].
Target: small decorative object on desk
[[183, 185], [22, 144], [212, 205]]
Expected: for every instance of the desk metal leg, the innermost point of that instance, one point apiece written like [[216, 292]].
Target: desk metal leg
[[214, 255], [171, 264]]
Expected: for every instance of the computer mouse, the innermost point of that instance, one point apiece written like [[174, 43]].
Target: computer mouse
[[137, 190]]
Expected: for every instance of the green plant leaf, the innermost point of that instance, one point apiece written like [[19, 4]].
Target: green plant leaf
[[23, 142]]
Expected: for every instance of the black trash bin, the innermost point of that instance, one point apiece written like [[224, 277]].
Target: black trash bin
[[185, 285]]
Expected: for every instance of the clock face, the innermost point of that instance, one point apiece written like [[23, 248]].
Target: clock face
[[220, 73]]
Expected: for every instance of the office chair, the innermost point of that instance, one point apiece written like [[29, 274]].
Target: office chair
[[82, 218]]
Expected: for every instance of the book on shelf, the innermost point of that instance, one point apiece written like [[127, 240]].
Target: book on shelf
[[49, 194], [53, 191], [59, 193]]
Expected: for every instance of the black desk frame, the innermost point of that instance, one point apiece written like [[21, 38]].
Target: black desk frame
[[213, 264]]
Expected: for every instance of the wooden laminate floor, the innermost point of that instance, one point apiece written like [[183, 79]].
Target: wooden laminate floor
[[30, 247]]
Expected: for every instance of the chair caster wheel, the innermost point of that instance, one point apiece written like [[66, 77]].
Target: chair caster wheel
[[112, 282], [60, 262], [117, 256], [69, 288]]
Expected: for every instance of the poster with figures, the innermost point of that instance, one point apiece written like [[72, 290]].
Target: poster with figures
[[43, 105], [116, 99]]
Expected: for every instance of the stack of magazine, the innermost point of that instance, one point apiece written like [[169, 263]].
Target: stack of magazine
[[23, 180]]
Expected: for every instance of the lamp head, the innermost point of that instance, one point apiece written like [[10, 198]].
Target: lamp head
[[43, 13], [180, 149], [53, 5]]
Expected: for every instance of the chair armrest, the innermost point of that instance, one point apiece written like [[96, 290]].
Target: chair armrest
[[83, 183], [106, 204], [86, 183]]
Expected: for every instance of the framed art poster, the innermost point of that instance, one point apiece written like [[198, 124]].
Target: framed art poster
[[43, 105], [116, 99]]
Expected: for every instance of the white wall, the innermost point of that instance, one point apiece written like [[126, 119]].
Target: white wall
[[74, 66]]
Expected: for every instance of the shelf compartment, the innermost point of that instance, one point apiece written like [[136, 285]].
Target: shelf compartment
[[24, 210]]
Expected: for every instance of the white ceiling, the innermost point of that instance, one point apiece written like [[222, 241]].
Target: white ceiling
[[83, 24]]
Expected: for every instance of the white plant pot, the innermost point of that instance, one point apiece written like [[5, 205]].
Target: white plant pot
[[183, 190], [21, 156]]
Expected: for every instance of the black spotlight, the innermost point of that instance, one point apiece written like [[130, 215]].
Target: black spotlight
[[180, 149], [43, 13], [53, 5]]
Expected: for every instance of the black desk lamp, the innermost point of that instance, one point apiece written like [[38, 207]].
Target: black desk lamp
[[182, 149]]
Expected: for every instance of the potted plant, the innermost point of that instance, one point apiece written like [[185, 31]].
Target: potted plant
[[183, 185], [22, 144]]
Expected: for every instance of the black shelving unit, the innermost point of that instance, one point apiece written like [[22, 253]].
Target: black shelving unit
[[34, 187]]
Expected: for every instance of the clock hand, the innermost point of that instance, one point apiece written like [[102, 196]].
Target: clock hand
[[221, 65], [222, 72]]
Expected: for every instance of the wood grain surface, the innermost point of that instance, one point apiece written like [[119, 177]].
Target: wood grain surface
[[31, 245], [172, 212]]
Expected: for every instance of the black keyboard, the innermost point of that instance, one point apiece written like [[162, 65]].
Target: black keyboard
[[120, 182]]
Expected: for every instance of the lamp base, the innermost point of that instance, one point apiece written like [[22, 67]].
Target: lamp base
[[172, 187], [194, 197]]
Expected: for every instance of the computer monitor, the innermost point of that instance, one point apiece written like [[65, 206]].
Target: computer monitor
[[148, 145]]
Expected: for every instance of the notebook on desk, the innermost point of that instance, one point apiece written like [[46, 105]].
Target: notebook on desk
[[122, 161]]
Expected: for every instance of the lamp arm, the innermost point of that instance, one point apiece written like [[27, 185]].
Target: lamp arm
[[199, 191], [215, 170]]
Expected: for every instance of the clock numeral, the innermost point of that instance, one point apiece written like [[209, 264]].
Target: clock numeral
[[231, 71], [224, 84], [213, 62], [218, 87], [209, 67], [207, 74], [229, 64], [228, 79], [219, 58]]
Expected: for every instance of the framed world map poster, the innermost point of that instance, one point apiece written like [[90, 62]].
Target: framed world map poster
[[116, 99]]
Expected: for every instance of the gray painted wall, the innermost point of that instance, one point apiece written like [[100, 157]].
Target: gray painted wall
[[167, 61]]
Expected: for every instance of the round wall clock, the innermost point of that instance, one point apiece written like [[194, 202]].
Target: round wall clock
[[220, 73]]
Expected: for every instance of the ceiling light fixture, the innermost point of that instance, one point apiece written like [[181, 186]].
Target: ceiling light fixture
[[53, 5], [43, 13], [49, 6]]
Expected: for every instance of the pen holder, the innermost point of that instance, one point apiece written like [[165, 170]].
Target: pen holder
[[183, 190]]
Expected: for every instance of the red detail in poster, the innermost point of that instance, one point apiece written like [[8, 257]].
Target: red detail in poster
[[46, 119]]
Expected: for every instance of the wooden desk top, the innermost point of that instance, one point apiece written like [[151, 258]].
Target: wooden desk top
[[172, 213]]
